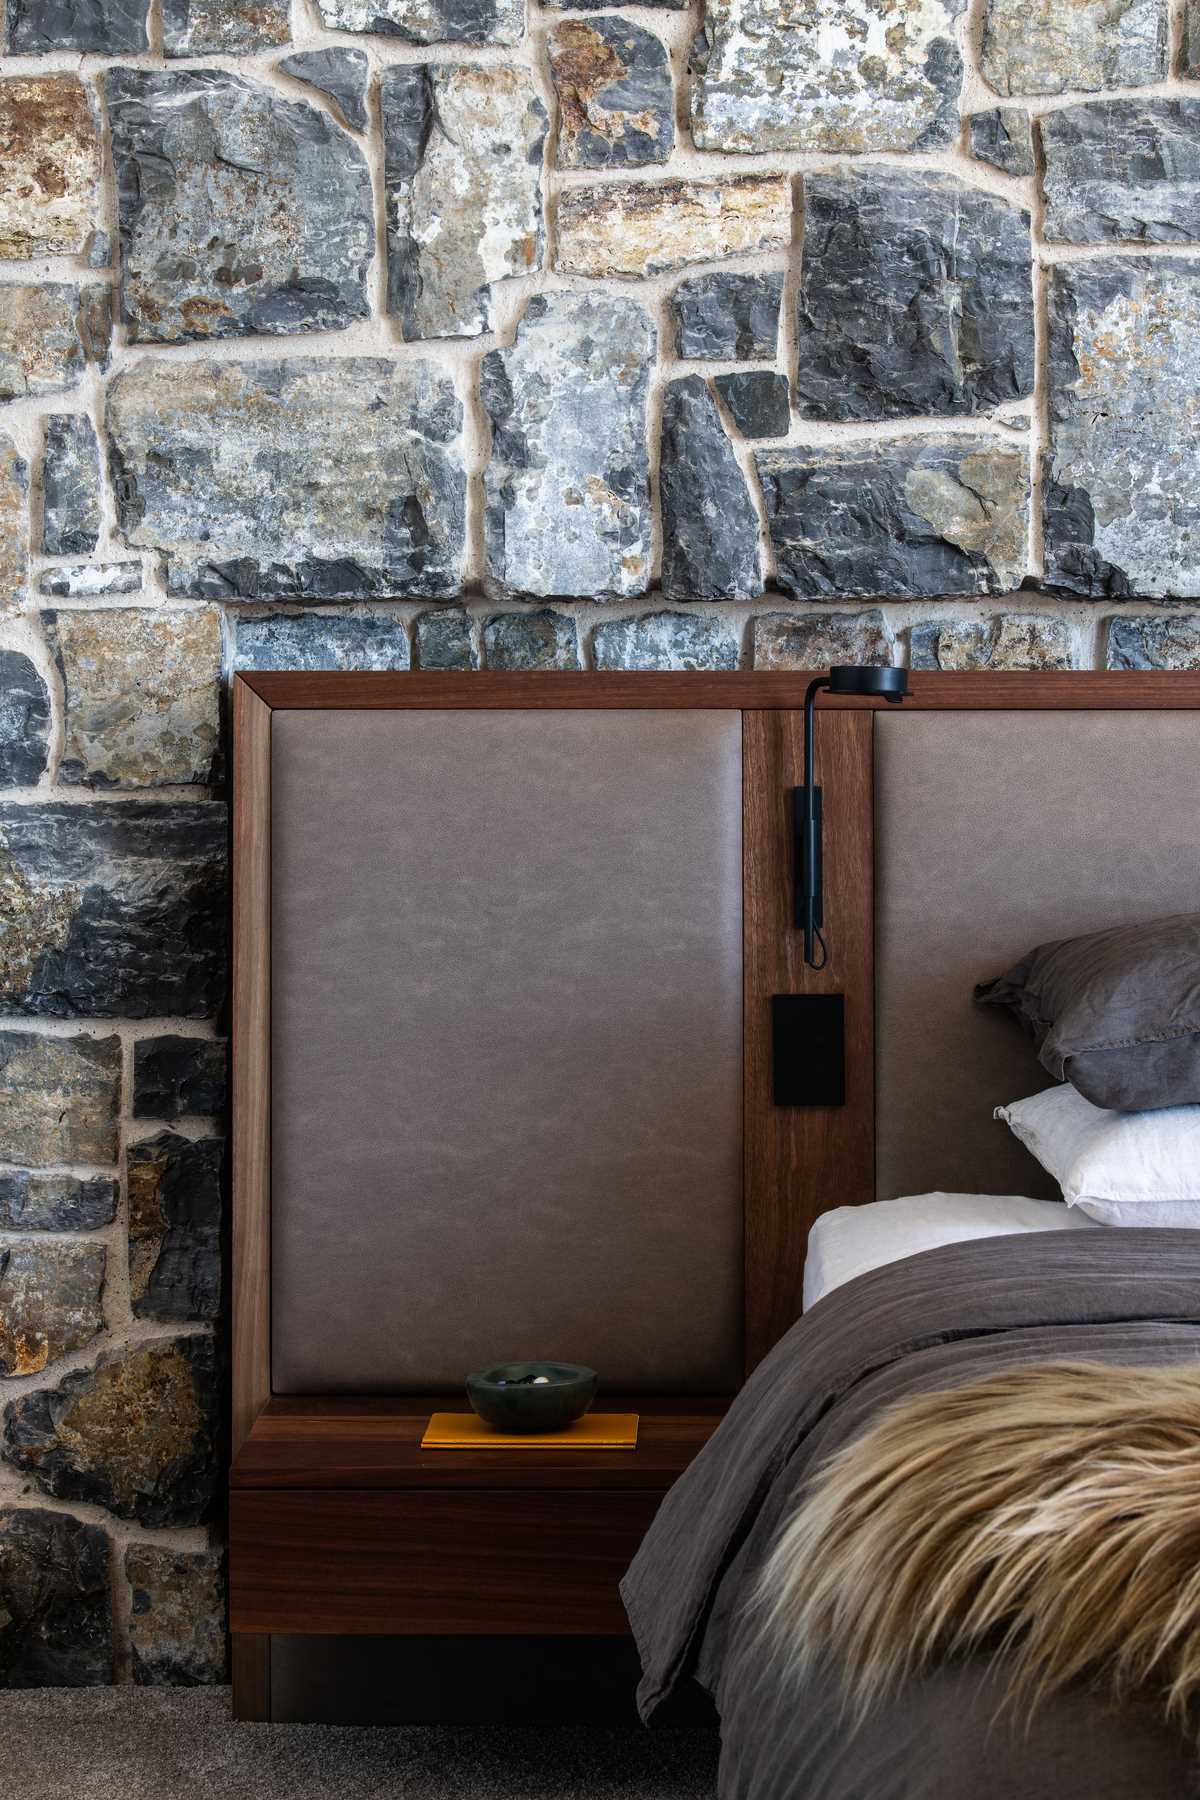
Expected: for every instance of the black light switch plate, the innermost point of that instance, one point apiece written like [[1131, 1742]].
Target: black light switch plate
[[808, 1033]]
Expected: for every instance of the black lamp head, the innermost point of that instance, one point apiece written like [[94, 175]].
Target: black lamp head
[[856, 678]]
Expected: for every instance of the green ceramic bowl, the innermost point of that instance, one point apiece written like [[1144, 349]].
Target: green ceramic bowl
[[532, 1396]]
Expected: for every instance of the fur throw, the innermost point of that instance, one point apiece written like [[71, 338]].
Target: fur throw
[[1050, 1514]]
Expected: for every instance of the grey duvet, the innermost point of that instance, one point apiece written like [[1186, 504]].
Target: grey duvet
[[931, 1321]]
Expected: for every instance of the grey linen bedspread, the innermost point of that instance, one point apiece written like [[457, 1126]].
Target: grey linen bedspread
[[931, 1321]]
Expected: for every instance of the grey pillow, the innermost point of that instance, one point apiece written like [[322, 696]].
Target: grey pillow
[[1116, 1014]]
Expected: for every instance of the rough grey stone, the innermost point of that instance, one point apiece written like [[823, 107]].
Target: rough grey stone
[[315, 478], [533, 640], [24, 721], [567, 490], [224, 27], [1013, 641], [616, 102], [141, 694], [916, 297], [758, 402], [728, 317], [51, 140], [600, 5], [88, 581], [445, 641], [55, 1598], [58, 1098], [937, 516], [310, 640], [112, 911], [429, 21], [49, 1302], [837, 75], [99, 251], [1004, 138], [49, 333], [710, 527], [30, 1202], [665, 640], [175, 1226], [339, 73], [635, 228], [178, 1077], [138, 1433], [49, 27], [1155, 642], [241, 212], [176, 1615], [462, 168], [818, 640], [71, 505], [1121, 496], [1122, 169], [14, 527], [1064, 44]]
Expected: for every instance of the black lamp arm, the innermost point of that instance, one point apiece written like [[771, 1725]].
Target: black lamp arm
[[806, 801]]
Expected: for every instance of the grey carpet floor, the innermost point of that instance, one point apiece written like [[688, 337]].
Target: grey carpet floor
[[180, 1744]]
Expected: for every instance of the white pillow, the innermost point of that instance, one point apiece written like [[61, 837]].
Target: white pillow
[[1123, 1168]]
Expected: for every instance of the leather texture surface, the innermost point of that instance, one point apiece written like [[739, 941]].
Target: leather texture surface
[[506, 1043], [995, 832]]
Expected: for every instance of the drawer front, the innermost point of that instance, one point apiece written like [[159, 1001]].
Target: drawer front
[[370, 1560]]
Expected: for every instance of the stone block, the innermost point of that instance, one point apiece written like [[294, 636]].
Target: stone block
[[51, 156], [33, 1202], [1003, 137], [664, 641], [728, 317], [932, 516], [224, 27], [1122, 169], [71, 486], [567, 490], [616, 102], [1154, 642], [91, 581], [113, 911], [175, 1226], [341, 75], [103, 27], [1065, 44], [58, 1098], [462, 170], [14, 527], [710, 526], [309, 640], [757, 400], [916, 297], [634, 228], [429, 21], [315, 478], [531, 640], [55, 1598], [49, 332], [176, 1615], [24, 721], [1012, 641], [241, 212], [444, 640], [818, 640], [178, 1077], [49, 1302], [138, 1433]]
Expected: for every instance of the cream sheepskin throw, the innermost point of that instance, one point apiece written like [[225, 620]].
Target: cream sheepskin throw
[[1050, 1514]]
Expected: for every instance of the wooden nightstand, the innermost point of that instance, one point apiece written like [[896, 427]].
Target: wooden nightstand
[[340, 1523]]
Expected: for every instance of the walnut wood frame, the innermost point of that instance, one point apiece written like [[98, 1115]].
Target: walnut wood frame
[[797, 1161]]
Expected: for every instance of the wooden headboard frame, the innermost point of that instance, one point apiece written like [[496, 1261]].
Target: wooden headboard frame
[[798, 1161]]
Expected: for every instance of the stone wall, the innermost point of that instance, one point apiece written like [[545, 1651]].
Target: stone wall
[[434, 333]]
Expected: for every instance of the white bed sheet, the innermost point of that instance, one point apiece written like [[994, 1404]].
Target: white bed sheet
[[852, 1239]]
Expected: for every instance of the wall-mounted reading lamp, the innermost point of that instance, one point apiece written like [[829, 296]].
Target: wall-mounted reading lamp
[[847, 678]]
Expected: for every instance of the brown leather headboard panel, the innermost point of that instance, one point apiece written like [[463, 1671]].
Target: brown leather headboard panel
[[994, 832], [506, 1047]]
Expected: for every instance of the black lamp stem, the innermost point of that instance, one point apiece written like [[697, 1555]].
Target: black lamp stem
[[809, 909]]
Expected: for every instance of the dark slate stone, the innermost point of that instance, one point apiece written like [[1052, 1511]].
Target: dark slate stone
[[444, 640], [429, 21], [710, 528], [24, 721], [533, 640], [1121, 492], [224, 27], [599, 5], [616, 101], [113, 911], [48, 27], [32, 1202], [1122, 169], [71, 515], [89, 581], [175, 1187], [178, 1077], [915, 297], [139, 1433], [55, 1600], [176, 1615], [665, 641], [727, 317], [320, 641], [99, 253], [1158, 641], [49, 1302], [1003, 137], [758, 402], [341, 74], [241, 212], [927, 516]]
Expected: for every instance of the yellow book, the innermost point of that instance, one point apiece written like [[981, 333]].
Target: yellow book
[[595, 1431]]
